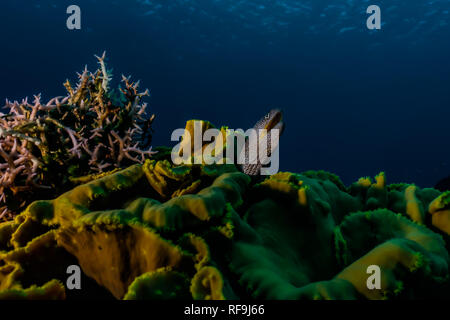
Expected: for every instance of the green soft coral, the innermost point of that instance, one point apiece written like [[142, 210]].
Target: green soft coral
[[283, 232], [115, 246]]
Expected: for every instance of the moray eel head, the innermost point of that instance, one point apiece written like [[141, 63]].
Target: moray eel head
[[272, 120]]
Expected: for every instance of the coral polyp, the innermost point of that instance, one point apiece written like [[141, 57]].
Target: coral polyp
[[45, 147]]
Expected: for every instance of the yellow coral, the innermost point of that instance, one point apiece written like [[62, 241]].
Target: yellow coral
[[380, 180], [207, 284], [439, 209], [365, 182]]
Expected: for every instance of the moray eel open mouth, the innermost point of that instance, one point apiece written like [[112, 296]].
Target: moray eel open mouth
[[272, 120]]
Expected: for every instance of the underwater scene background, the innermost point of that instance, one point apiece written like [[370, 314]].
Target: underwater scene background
[[355, 101]]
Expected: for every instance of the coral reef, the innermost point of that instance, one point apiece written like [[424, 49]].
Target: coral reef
[[46, 148], [160, 231]]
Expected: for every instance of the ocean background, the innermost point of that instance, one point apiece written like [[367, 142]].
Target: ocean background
[[355, 101]]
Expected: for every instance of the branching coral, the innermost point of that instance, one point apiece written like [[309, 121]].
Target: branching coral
[[92, 129]]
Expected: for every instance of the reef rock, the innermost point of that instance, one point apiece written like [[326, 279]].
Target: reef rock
[[159, 231]]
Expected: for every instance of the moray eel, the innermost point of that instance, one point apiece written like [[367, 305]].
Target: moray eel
[[272, 120]]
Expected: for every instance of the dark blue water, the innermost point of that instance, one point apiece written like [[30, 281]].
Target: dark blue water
[[355, 101]]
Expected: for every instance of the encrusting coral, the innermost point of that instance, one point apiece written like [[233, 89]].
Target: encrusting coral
[[160, 231], [46, 147]]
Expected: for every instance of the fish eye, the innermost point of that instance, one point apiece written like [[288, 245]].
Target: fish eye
[[267, 116]]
